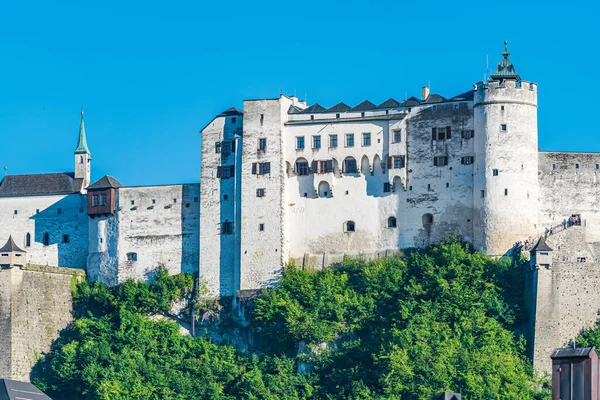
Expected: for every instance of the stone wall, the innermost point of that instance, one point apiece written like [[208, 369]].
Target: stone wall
[[35, 306]]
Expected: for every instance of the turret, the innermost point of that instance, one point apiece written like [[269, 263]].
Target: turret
[[12, 256], [506, 159], [83, 158]]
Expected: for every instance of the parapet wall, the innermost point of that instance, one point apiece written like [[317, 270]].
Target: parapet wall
[[35, 306]]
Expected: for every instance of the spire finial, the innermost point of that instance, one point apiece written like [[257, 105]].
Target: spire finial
[[505, 53], [82, 114]]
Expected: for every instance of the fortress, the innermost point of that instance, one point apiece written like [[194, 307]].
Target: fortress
[[283, 181]]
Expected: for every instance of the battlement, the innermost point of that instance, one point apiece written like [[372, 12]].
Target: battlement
[[507, 91]]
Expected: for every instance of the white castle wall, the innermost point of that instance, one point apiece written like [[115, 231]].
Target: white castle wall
[[57, 215]]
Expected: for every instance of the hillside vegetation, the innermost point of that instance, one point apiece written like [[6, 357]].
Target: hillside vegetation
[[394, 328]]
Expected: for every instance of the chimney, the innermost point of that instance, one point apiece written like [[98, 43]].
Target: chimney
[[424, 92]]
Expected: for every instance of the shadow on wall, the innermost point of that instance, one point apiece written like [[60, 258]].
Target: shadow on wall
[[190, 228], [63, 225]]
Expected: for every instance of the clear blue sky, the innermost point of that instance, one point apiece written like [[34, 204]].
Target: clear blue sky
[[151, 74]]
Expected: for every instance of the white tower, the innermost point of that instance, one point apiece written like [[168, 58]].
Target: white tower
[[506, 157], [83, 158]]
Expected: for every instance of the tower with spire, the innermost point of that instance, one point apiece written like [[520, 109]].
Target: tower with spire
[[83, 158]]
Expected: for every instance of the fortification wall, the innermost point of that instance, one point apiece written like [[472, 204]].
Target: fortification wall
[[35, 306], [56, 215]]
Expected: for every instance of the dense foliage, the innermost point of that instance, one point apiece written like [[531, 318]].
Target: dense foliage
[[395, 328]]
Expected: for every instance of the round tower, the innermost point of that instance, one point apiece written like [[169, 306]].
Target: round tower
[[506, 157]]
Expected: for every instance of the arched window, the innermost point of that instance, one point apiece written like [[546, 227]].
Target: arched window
[[427, 219], [391, 222], [131, 256], [28, 240], [324, 189], [349, 226], [46, 239], [349, 166], [80, 159], [302, 166]]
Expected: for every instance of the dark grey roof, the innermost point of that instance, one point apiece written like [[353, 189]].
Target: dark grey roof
[[411, 102], [470, 95], [231, 111], [106, 182], [294, 110], [582, 352], [315, 108], [339, 107], [40, 184], [364, 106], [12, 390], [435, 98], [389, 103], [11, 246], [541, 246]]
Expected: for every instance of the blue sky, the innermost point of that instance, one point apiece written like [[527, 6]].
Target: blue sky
[[151, 74]]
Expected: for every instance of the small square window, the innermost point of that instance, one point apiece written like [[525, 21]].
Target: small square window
[[262, 144], [37, 211], [153, 201], [300, 142], [482, 193], [346, 192], [597, 166], [337, 116], [66, 239], [225, 197], [576, 166], [260, 192], [506, 192], [174, 201], [305, 194], [362, 114], [317, 142], [217, 147], [233, 120], [554, 166], [312, 117], [15, 212], [447, 184], [387, 187], [397, 136], [333, 141], [350, 140], [132, 202], [503, 127], [195, 199], [366, 139], [501, 108], [495, 172], [59, 211], [261, 227]]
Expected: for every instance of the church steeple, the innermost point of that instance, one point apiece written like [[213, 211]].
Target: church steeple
[[82, 144], [505, 69]]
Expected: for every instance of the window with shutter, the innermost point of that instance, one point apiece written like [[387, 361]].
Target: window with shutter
[[254, 168], [219, 172], [433, 133], [233, 146], [448, 132], [389, 162], [435, 161]]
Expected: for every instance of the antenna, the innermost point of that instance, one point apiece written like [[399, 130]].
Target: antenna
[[5, 170], [487, 67], [306, 98]]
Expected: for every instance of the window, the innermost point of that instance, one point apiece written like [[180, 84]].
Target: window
[[429, 187], [227, 171], [153, 201], [397, 136], [391, 222], [226, 147], [261, 168], [332, 140], [95, 201], [495, 172], [337, 116], [299, 142], [233, 119], [324, 167], [366, 139], [349, 226], [46, 239], [132, 202], [131, 256], [59, 211], [261, 227], [15, 212], [467, 160], [262, 144], [442, 133], [350, 140], [260, 192], [226, 228], [597, 166], [66, 239], [396, 162], [447, 184], [506, 192], [387, 187], [302, 167], [427, 219], [312, 117], [581, 259], [350, 165], [80, 159], [317, 142], [576, 166], [195, 199], [440, 161], [501, 108], [362, 114], [28, 240], [503, 127], [482, 193], [37, 210], [102, 199], [174, 201], [468, 134], [553, 166]]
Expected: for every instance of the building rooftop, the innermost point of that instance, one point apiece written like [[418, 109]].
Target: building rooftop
[[541, 246], [582, 352], [505, 68], [106, 182], [13, 390], [40, 184], [11, 246]]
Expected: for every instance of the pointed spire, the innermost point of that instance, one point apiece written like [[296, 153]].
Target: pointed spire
[[11, 246], [82, 143], [505, 69]]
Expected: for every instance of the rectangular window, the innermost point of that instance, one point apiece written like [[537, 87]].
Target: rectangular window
[[324, 167], [233, 119], [398, 162], [495, 172], [66, 239], [576, 166], [264, 168], [102, 199], [482, 193], [317, 142], [217, 147], [468, 134], [226, 171], [302, 167], [387, 187], [506, 192], [332, 140], [262, 144], [503, 127], [95, 200], [350, 140], [440, 161], [442, 133], [350, 166], [226, 228], [59, 211], [366, 139], [225, 147], [467, 160], [397, 136], [260, 192], [15, 212], [299, 142], [261, 227]]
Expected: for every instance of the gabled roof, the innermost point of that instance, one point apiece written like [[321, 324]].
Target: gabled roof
[[11, 246], [231, 112], [466, 96], [434, 98], [339, 107], [82, 147], [315, 108], [411, 102], [583, 352], [40, 184], [106, 182], [13, 390], [541, 246], [364, 106], [389, 103], [505, 69], [294, 110]]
